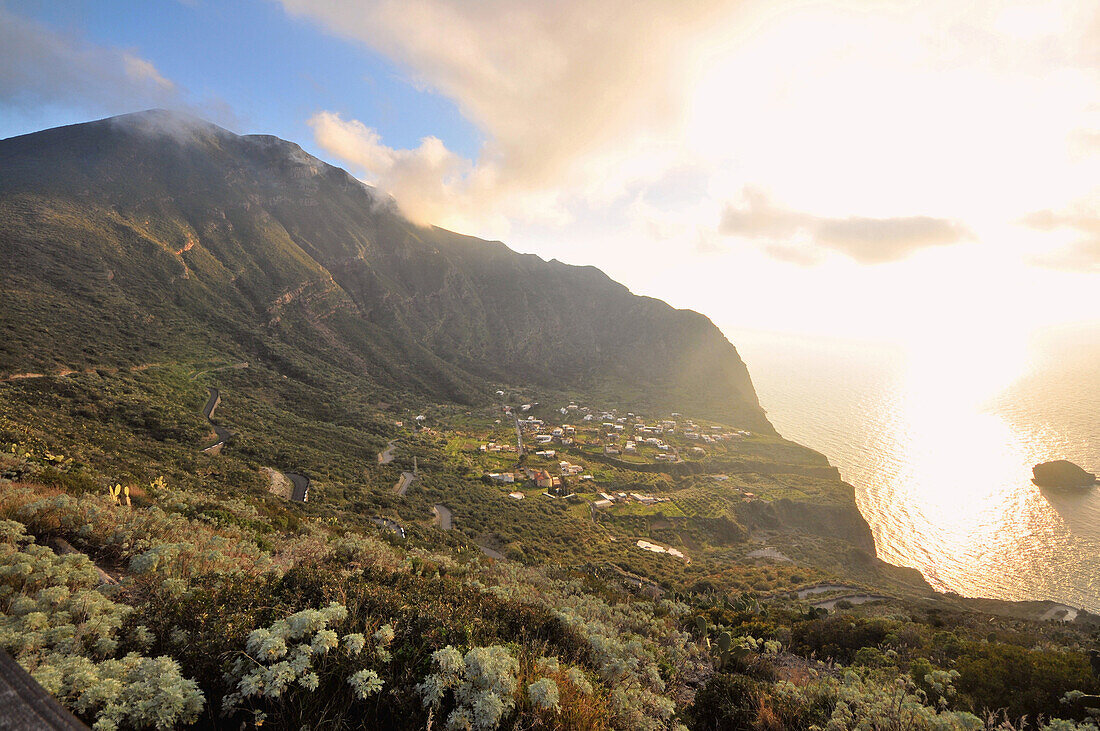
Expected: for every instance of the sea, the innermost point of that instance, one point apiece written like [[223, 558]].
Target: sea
[[939, 439]]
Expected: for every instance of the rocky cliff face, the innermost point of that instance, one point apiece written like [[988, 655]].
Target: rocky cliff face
[[154, 235]]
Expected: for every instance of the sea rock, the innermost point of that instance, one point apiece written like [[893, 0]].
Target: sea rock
[[1061, 473]]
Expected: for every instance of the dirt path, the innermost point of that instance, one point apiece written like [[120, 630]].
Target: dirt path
[[830, 604], [280, 483], [68, 372], [442, 516], [231, 366], [825, 588], [63, 547]]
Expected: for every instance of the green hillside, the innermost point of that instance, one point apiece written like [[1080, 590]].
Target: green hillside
[[156, 236], [535, 500]]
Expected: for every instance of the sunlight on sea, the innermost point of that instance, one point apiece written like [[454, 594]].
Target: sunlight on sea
[[939, 440]]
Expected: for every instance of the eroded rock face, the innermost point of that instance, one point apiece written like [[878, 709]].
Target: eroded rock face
[[1061, 473]]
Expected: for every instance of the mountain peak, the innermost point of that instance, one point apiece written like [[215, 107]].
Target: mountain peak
[[252, 245], [169, 122]]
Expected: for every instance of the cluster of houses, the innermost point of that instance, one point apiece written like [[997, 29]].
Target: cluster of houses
[[714, 435], [541, 477], [494, 447], [615, 434], [562, 434], [607, 499]]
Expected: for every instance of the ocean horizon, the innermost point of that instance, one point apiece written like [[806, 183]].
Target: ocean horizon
[[939, 446]]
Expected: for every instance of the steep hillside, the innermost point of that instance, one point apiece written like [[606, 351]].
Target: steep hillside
[[154, 236]]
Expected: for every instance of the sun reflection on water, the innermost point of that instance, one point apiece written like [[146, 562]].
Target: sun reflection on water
[[940, 450]]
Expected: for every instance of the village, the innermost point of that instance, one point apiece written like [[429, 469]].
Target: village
[[567, 452]]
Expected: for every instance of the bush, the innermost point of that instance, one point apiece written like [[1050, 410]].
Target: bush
[[726, 703], [1032, 682]]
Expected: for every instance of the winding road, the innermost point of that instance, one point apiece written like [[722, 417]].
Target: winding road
[[300, 491], [231, 366], [221, 432], [403, 484], [442, 516], [390, 525], [492, 553], [301, 487], [386, 455], [70, 372], [830, 604]]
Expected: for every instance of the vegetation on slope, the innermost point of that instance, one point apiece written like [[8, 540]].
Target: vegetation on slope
[[155, 236], [149, 583]]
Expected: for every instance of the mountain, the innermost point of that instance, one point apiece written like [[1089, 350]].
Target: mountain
[[156, 236], [155, 570]]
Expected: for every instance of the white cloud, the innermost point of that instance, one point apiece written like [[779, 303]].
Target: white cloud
[[424, 180], [575, 99], [792, 235], [40, 67], [1082, 222], [144, 72], [927, 110]]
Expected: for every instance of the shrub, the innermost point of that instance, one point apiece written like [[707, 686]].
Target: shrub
[[726, 702], [481, 686], [64, 631]]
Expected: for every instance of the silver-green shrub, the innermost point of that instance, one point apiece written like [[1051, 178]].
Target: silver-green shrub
[[482, 684], [59, 627]]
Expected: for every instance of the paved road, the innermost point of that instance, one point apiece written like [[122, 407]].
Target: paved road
[[492, 553], [1059, 612], [301, 487], [824, 588], [27, 705], [443, 516], [519, 434], [212, 402], [386, 456], [389, 525], [222, 433], [402, 485]]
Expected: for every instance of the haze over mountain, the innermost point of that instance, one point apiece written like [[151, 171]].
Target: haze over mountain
[[159, 236]]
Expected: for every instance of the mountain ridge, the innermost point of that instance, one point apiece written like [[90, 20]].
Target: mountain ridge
[[250, 233]]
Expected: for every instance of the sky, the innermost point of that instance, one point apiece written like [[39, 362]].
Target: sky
[[926, 173]]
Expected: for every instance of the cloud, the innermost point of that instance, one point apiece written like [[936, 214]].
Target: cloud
[[1082, 256], [1082, 221], [428, 181], [877, 240], [432, 184], [1084, 142], [803, 256], [792, 235], [40, 67], [569, 95]]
